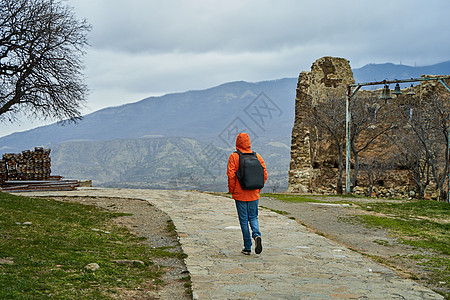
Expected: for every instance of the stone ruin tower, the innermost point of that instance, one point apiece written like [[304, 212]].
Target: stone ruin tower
[[328, 75]]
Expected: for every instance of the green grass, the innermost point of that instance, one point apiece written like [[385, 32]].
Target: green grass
[[281, 212], [49, 255], [292, 198], [187, 284], [422, 224], [424, 208]]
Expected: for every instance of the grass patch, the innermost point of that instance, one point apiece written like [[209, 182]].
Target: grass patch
[[187, 284], [46, 244], [281, 212], [292, 198], [381, 242], [422, 224], [308, 199], [413, 208]]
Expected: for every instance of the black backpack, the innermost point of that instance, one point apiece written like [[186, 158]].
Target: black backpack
[[250, 172]]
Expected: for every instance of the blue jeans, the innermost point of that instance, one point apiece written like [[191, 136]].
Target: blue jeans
[[248, 213]]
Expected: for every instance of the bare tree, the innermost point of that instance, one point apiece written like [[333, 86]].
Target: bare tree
[[422, 142], [368, 123], [436, 109], [41, 49], [374, 170], [275, 185], [328, 116], [410, 155]]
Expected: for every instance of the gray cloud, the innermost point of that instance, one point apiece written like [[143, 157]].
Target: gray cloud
[[236, 26], [151, 47]]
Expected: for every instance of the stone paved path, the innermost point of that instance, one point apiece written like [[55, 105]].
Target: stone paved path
[[295, 263]]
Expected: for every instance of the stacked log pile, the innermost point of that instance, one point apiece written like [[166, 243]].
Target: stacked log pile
[[30, 171], [3, 171], [28, 165]]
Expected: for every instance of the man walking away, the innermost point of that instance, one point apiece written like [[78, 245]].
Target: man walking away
[[246, 198]]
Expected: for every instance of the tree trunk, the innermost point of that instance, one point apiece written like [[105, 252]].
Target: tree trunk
[[370, 190], [442, 195], [371, 180], [356, 166]]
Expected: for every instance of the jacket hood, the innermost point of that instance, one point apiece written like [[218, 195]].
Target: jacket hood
[[243, 143]]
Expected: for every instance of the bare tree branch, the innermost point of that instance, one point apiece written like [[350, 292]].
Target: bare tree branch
[[41, 49]]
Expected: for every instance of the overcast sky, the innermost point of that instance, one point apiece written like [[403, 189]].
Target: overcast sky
[[142, 48]]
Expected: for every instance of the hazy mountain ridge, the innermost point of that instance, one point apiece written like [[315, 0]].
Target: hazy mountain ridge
[[378, 72], [200, 114]]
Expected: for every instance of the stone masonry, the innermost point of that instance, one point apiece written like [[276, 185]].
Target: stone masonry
[[328, 75]]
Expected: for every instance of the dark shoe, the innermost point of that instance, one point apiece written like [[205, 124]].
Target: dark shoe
[[246, 252], [258, 248]]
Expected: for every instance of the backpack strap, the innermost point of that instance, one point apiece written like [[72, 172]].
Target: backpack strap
[[240, 163]]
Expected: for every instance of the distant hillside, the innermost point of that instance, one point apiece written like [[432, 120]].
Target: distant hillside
[[165, 163], [378, 72]]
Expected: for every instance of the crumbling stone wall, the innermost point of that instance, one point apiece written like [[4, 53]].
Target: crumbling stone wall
[[328, 75]]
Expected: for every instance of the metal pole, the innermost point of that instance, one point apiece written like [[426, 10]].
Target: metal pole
[[439, 78], [347, 141], [444, 84]]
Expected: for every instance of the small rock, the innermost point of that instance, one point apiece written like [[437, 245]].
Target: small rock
[[27, 223], [6, 261], [92, 266], [133, 262], [99, 230]]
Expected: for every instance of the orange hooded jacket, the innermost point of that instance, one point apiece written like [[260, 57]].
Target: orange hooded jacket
[[242, 144]]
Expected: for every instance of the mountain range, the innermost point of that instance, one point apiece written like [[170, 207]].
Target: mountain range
[[266, 108], [389, 71], [182, 140]]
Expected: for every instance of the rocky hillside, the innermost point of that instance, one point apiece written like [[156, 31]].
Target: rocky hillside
[[167, 163]]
